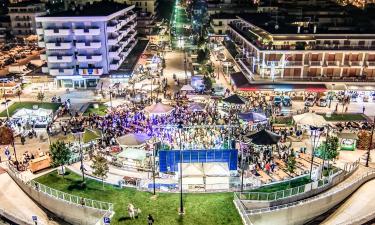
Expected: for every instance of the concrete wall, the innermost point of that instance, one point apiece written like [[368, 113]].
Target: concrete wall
[[306, 211], [69, 212]]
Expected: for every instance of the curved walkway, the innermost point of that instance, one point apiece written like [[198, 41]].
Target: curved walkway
[[358, 209], [17, 206]]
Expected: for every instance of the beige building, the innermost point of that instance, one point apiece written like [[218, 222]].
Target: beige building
[[303, 51], [22, 16], [219, 22], [145, 5]]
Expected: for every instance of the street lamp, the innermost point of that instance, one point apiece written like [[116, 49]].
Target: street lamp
[[110, 97], [5, 102], [79, 130], [315, 133], [181, 210]]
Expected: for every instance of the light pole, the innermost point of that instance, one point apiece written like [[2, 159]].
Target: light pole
[[181, 210], [370, 146], [110, 97], [79, 132], [314, 135], [5, 102]]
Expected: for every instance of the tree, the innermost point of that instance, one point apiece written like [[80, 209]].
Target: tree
[[18, 93], [207, 83], [60, 154], [291, 163], [330, 149], [40, 96], [100, 167]]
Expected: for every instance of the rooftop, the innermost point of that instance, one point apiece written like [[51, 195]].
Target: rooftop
[[24, 3], [103, 8], [223, 16]]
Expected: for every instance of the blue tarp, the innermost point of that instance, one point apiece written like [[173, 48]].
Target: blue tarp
[[169, 159]]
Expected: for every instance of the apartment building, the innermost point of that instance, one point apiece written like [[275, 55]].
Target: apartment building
[[289, 49], [219, 22], [4, 27], [84, 44], [145, 5], [145, 23], [22, 17]]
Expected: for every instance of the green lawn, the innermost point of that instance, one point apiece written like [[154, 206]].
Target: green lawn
[[284, 185], [101, 110], [90, 135], [29, 105], [345, 117], [200, 209]]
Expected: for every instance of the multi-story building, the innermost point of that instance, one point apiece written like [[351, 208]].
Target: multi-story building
[[219, 22], [286, 48], [22, 17], [86, 43], [4, 27], [145, 23], [145, 5]]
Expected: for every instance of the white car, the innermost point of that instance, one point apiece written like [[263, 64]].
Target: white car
[[310, 101], [322, 102]]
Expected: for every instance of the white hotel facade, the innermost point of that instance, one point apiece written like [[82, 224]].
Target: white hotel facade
[[86, 44]]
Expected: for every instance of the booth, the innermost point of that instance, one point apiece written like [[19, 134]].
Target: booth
[[39, 117], [40, 163], [347, 141]]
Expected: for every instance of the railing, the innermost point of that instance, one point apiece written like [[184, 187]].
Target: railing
[[315, 198], [241, 209], [290, 192], [106, 206]]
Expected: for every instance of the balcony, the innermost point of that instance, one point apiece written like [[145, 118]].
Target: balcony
[[315, 63], [88, 45], [114, 51], [43, 57], [115, 64], [45, 69], [39, 31], [113, 27], [113, 40], [370, 64], [272, 63], [61, 72], [87, 31], [90, 58], [59, 45], [293, 63], [332, 63], [57, 32], [41, 44], [60, 58], [355, 63], [90, 71]]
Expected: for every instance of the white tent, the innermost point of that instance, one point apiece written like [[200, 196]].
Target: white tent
[[187, 87], [195, 107], [134, 139], [39, 116], [216, 169], [192, 170], [310, 119], [159, 109]]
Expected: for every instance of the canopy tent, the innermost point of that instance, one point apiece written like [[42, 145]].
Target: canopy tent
[[192, 170], [115, 102], [30, 113], [187, 87], [196, 107], [252, 117], [216, 169], [133, 154], [134, 139], [159, 109], [310, 119], [235, 99], [264, 137]]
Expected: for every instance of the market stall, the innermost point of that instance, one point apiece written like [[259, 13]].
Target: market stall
[[348, 141], [38, 117]]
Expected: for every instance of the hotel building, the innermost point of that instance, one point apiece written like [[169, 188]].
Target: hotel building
[[286, 49], [87, 43]]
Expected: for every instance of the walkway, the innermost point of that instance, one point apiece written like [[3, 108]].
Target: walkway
[[15, 203], [360, 205], [174, 62]]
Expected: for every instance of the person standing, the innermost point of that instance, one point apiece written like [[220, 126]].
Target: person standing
[[363, 109], [150, 219]]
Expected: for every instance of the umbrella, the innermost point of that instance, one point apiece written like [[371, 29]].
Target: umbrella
[[310, 119], [159, 108], [252, 117], [235, 99], [264, 137], [193, 107], [187, 87], [133, 139]]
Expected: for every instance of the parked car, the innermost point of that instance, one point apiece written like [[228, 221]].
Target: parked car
[[277, 100], [287, 102], [322, 102], [365, 98], [310, 101]]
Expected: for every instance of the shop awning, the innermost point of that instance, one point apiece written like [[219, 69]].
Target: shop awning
[[239, 79], [284, 87]]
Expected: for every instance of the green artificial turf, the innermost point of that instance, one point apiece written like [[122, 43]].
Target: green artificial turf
[[200, 209], [101, 110], [283, 185], [90, 135], [345, 117], [29, 105]]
